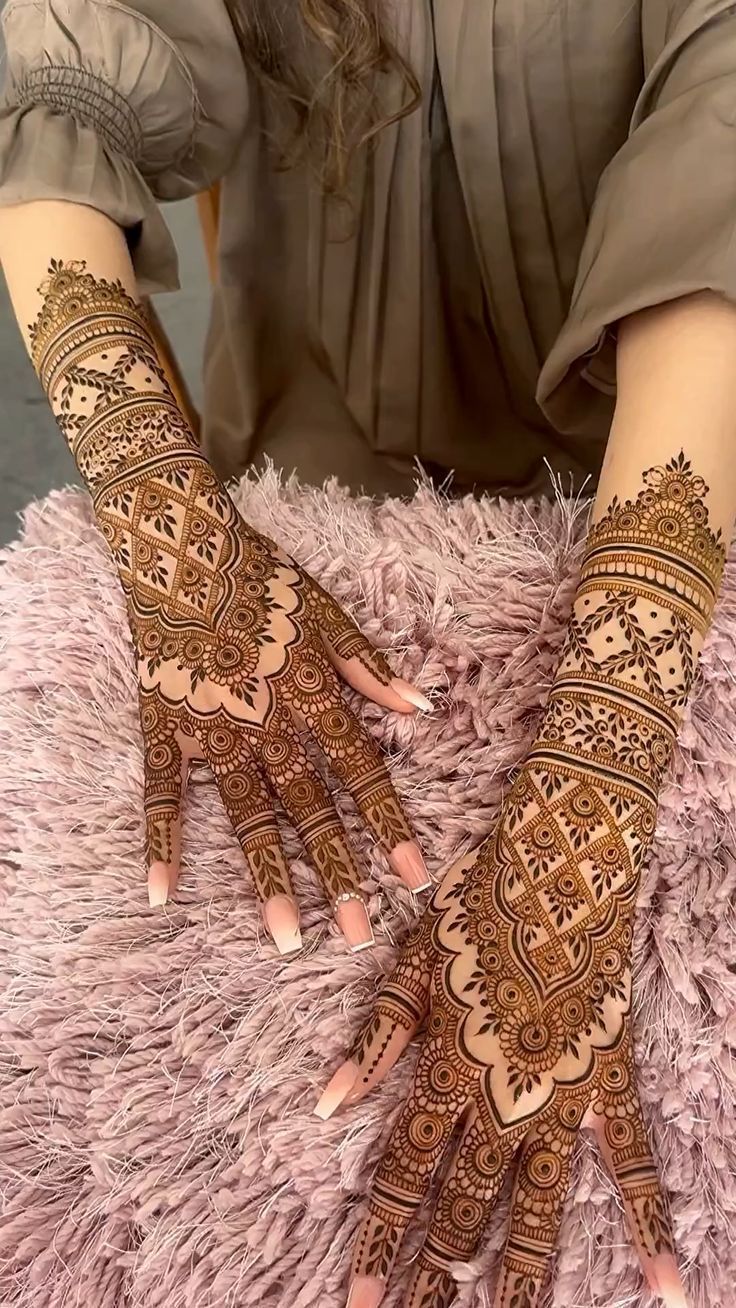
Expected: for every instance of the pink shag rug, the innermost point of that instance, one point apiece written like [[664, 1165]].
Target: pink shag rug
[[159, 1068]]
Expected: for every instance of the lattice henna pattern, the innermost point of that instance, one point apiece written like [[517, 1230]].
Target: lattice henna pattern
[[229, 631], [528, 982]]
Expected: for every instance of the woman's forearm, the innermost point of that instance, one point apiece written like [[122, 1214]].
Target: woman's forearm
[[166, 516], [73, 289], [676, 374], [676, 391], [33, 234], [660, 529]]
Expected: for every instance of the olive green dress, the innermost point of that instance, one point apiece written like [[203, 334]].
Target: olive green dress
[[572, 161]]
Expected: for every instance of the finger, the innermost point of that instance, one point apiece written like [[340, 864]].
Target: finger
[[314, 694], [249, 806], [537, 1204], [165, 771], [360, 664], [174, 869], [464, 1204], [617, 1121], [439, 1096], [306, 799], [401, 1007]]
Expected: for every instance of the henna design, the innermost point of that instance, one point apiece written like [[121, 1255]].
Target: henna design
[[525, 949], [344, 637], [228, 630]]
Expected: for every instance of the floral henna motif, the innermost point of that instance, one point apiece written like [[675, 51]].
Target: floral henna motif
[[344, 637], [525, 949], [229, 632]]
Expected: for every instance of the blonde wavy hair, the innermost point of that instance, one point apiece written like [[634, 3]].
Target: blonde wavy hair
[[323, 60]]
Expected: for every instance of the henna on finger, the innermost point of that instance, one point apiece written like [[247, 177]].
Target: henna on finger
[[401, 1008], [226, 626], [359, 662], [249, 805], [531, 975], [617, 1121], [307, 801], [343, 637], [439, 1095], [537, 1204], [164, 773], [402, 1003], [312, 692], [465, 1200]]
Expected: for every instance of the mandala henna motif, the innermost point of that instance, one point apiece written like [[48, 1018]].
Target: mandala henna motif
[[525, 949], [229, 632]]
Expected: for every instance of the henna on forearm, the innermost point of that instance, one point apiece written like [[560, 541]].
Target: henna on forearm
[[233, 640], [579, 824], [527, 986], [92, 348]]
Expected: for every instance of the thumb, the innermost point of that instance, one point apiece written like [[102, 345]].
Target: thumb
[[165, 771], [357, 661], [401, 1007]]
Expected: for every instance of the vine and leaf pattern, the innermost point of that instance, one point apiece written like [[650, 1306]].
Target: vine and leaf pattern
[[236, 645], [520, 968]]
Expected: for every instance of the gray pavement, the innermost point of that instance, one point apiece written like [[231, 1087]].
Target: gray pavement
[[34, 458]]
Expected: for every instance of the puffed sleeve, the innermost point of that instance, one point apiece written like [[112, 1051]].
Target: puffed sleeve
[[663, 219], [119, 106]]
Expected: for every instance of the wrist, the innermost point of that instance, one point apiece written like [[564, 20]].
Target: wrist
[[162, 509], [648, 585], [96, 359]]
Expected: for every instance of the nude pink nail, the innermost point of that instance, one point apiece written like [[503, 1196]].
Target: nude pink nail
[[281, 916], [336, 1089], [158, 884], [354, 923], [366, 1292], [669, 1283], [412, 696], [406, 860]]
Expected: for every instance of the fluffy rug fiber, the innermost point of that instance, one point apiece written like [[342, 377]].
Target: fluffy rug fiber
[[159, 1067]]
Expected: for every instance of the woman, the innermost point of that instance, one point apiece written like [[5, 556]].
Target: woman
[[496, 236]]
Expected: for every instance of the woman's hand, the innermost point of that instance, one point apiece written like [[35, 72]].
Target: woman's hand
[[249, 651], [521, 965], [238, 649], [521, 970]]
